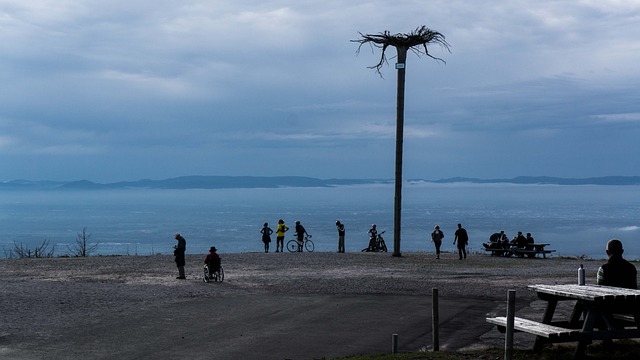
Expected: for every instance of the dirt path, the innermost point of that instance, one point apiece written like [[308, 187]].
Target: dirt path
[[273, 306]]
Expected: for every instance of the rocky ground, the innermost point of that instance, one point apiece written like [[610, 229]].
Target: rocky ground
[[43, 301]]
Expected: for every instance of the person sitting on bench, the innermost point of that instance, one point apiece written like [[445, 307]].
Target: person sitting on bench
[[529, 242], [617, 271]]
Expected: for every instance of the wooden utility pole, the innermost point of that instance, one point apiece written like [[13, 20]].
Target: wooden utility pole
[[415, 41], [397, 207]]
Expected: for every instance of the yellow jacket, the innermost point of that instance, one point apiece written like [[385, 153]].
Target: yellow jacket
[[282, 228]]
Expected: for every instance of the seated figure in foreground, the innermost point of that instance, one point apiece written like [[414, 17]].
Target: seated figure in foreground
[[617, 271]]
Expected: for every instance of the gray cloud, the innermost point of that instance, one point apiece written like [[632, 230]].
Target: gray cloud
[[531, 87]]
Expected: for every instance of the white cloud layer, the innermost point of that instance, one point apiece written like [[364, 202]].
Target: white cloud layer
[[215, 87]]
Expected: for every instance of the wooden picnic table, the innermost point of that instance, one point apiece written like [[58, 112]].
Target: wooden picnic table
[[530, 251], [600, 313], [538, 249], [594, 313]]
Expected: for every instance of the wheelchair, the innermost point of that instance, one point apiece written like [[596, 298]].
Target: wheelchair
[[217, 276]]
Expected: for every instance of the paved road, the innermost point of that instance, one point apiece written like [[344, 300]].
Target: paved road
[[268, 327]]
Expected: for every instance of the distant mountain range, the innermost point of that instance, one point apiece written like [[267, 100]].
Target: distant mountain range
[[245, 182], [605, 180]]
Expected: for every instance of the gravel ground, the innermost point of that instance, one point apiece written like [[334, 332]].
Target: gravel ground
[[41, 299]]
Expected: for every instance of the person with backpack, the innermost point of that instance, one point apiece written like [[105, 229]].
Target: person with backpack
[[280, 230]]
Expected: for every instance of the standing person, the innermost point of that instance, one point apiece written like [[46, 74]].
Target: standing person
[[266, 236], [178, 252], [617, 271], [463, 239], [373, 232], [436, 238], [280, 230], [300, 233], [340, 227]]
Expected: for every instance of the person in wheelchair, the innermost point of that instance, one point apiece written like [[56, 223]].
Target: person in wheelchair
[[213, 261]]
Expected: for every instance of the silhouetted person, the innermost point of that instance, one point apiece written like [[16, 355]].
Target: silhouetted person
[[266, 236], [530, 241], [213, 261], [504, 240], [300, 233], [519, 241], [373, 233], [280, 230], [463, 239], [340, 227], [617, 271], [436, 238], [178, 252]]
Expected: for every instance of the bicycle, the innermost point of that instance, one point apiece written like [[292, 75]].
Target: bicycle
[[294, 245], [377, 245], [217, 276]]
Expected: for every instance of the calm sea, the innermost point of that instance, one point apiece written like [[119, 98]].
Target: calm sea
[[576, 220]]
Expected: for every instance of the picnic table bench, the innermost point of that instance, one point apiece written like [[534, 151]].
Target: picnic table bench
[[538, 249], [552, 332], [495, 251], [600, 313]]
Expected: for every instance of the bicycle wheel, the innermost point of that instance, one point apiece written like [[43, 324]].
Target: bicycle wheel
[[382, 246], [205, 276], [309, 245], [292, 245]]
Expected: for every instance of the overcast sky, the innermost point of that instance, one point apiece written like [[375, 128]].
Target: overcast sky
[[124, 90]]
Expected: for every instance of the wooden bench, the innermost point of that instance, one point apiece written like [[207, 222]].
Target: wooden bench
[[496, 252], [538, 250], [551, 332], [625, 320]]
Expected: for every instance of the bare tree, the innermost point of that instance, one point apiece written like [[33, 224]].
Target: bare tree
[[40, 251], [416, 41], [82, 247]]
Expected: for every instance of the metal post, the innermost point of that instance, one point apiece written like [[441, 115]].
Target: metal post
[[511, 311], [394, 343], [435, 318]]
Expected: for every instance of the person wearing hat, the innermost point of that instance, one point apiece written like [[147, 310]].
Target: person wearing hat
[[213, 260], [617, 271], [178, 252], [436, 238]]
